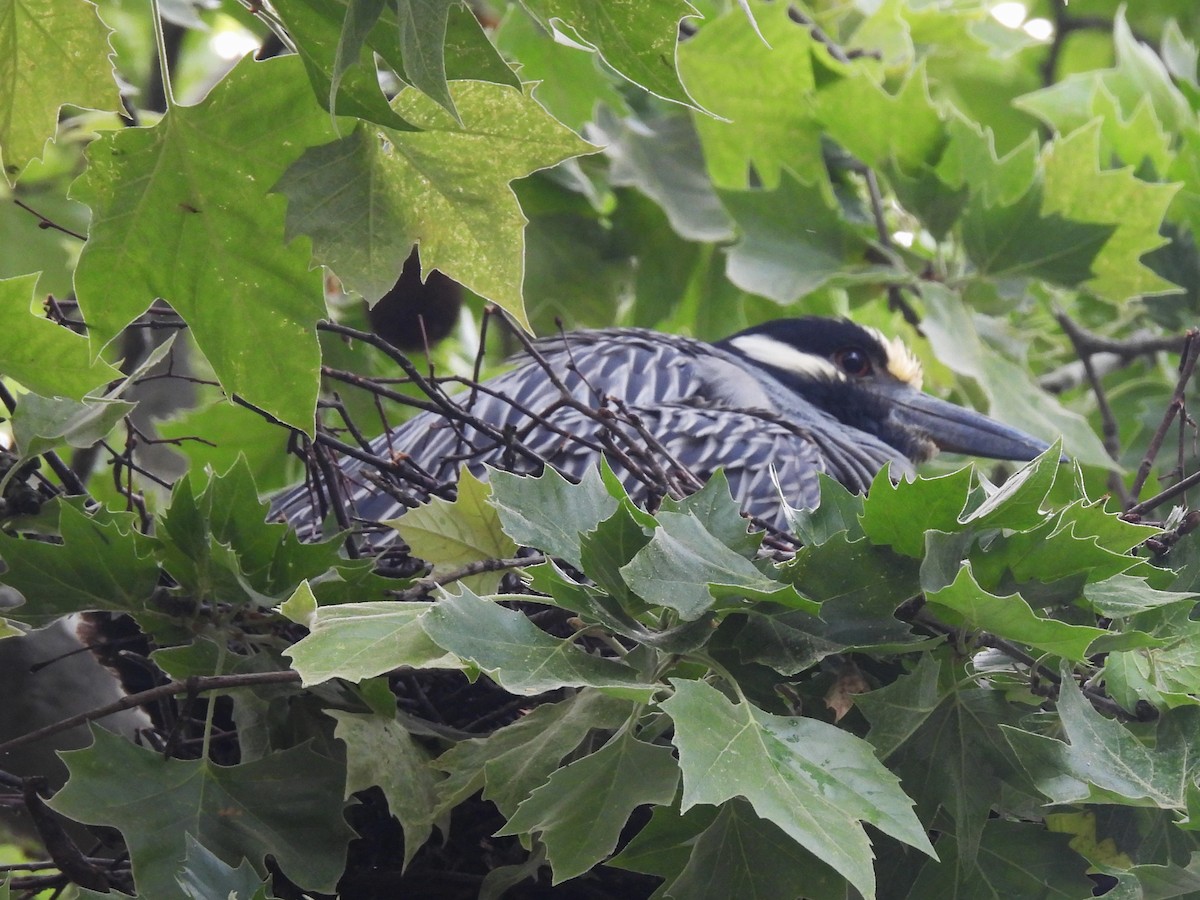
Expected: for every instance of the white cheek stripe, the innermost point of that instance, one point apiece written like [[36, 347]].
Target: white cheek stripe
[[771, 352]]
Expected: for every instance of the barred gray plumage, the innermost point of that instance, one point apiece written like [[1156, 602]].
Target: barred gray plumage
[[772, 406]]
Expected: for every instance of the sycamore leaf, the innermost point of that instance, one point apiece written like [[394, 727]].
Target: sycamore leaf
[[43, 423], [28, 341], [1078, 189], [341, 81], [838, 512], [550, 513], [54, 53], [1139, 75], [96, 567], [356, 641], [511, 761], [1102, 761], [1015, 859], [288, 805], [518, 655], [580, 811], [793, 242], [686, 568], [381, 752], [1026, 239], [708, 854], [944, 742], [422, 41], [662, 158], [366, 198], [882, 129], [759, 122], [964, 602], [198, 182], [637, 40], [569, 83], [205, 875], [815, 781], [898, 514], [451, 534]]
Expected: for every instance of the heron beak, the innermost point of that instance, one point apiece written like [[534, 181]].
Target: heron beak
[[958, 430]]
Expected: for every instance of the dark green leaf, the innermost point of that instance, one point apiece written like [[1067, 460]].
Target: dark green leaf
[[288, 805], [96, 567], [580, 812], [514, 760], [813, 780], [518, 655]]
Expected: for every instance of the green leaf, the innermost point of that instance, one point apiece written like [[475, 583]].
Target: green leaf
[[793, 242], [361, 16], [381, 752], [580, 811], [1028, 238], [519, 656], [204, 875], [879, 128], [422, 41], [96, 567], [683, 559], [964, 602], [943, 740], [838, 511], [511, 761], [1127, 595], [1103, 761], [340, 81], [1016, 859], [1166, 676], [898, 514], [1133, 209], [813, 780], [741, 855], [54, 54], [757, 124], [637, 40], [569, 83], [550, 513], [288, 805], [356, 641], [42, 423], [451, 534], [28, 341], [713, 505], [199, 180], [366, 198], [662, 158]]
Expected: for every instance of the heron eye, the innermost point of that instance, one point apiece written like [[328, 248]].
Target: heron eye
[[853, 361]]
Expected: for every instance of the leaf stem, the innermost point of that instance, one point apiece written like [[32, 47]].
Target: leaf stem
[[160, 44]]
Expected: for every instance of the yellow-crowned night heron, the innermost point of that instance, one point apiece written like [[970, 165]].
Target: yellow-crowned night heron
[[772, 405]]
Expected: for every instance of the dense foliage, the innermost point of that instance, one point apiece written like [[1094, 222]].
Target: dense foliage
[[577, 697]]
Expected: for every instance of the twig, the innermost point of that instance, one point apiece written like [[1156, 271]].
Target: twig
[[45, 223], [153, 695], [1187, 366], [424, 585], [1162, 497]]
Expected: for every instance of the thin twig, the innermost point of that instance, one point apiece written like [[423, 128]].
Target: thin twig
[[153, 695], [424, 585], [1187, 366], [44, 222]]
